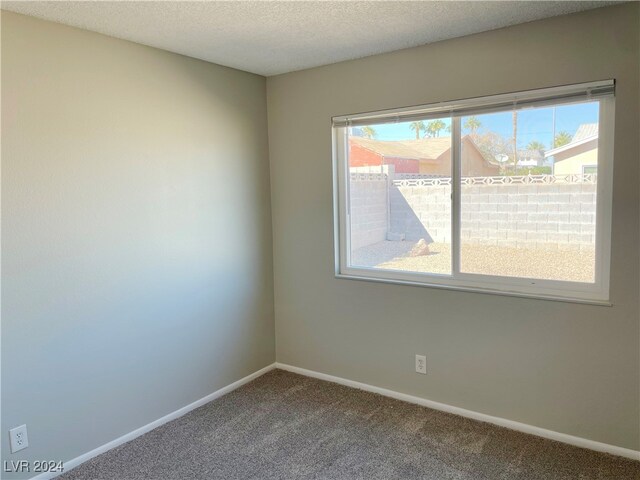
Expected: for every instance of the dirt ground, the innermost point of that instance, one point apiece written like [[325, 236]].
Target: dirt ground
[[489, 260]]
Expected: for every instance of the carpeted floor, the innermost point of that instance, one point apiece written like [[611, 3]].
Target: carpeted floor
[[285, 426]]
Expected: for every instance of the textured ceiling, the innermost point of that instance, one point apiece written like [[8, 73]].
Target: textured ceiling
[[272, 37]]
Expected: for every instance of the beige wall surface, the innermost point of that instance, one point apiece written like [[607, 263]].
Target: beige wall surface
[[136, 247], [571, 161], [566, 367]]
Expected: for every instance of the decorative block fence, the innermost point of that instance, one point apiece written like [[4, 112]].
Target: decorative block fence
[[533, 211]]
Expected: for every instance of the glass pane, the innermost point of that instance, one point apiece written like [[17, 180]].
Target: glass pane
[[528, 194], [400, 196]]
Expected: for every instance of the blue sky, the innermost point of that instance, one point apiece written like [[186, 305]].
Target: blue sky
[[533, 124]]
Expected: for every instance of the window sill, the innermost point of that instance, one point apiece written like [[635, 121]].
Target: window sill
[[535, 296]]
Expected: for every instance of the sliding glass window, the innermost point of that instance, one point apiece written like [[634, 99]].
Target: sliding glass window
[[507, 194]]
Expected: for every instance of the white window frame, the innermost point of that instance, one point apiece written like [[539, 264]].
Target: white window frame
[[596, 293]]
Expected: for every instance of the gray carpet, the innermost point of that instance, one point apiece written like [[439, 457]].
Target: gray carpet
[[285, 426]]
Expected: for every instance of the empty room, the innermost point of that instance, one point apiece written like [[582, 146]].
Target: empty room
[[329, 240]]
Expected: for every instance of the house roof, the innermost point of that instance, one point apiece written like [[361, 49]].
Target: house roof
[[585, 133], [419, 149], [388, 148], [530, 154], [430, 148]]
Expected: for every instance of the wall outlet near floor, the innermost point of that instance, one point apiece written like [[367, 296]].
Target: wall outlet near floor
[[18, 438], [421, 364]]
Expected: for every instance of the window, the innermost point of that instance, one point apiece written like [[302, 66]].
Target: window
[[508, 194]]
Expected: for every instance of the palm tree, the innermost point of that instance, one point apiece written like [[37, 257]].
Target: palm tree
[[368, 131], [514, 138], [472, 123], [535, 145], [434, 127], [562, 138], [418, 127]]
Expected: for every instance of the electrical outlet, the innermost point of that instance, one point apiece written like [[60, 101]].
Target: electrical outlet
[[421, 364], [18, 438]]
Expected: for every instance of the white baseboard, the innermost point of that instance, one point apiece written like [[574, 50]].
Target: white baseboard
[[521, 427], [503, 422], [155, 424]]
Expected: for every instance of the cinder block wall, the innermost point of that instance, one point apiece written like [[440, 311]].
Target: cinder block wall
[[550, 216], [421, 212], [369, 212], [553, 216]]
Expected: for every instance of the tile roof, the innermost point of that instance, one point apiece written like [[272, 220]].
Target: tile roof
[[430, 148], [419, 149], [423, 149], [386, 148]]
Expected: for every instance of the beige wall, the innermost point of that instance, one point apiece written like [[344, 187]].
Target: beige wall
[[136, 246], [562, 366], [473, 164], [572, 161]]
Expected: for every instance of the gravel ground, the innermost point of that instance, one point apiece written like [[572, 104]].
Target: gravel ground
[[492, 260]]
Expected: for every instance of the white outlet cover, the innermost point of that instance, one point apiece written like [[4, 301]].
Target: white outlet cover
[[421, 364], [18, 438]]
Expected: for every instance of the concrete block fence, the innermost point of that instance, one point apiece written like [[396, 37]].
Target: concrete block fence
[[556, 216]]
